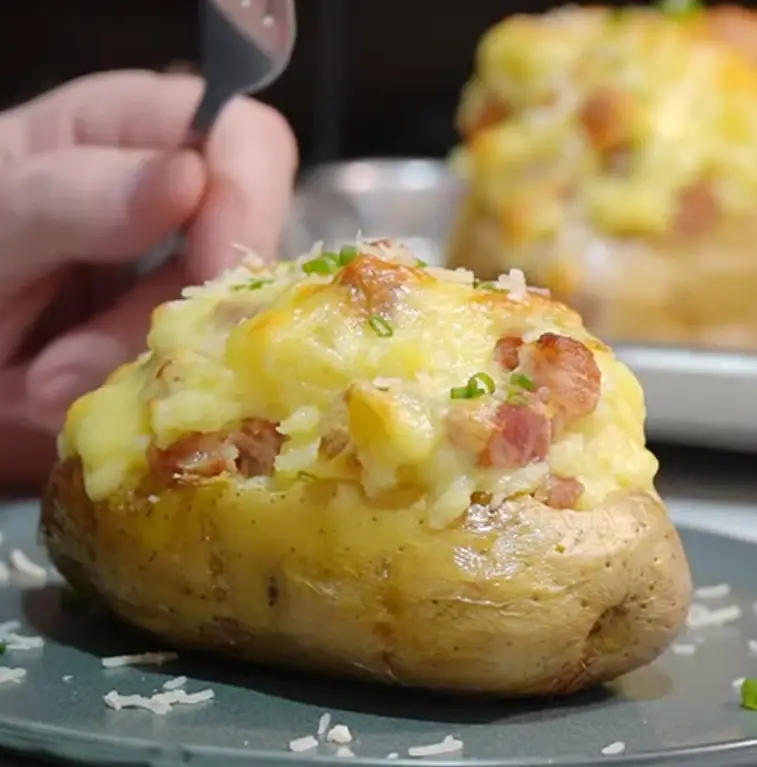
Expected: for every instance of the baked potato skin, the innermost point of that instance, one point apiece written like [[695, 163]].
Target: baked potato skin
[[524, 600], [610, 155], [297, 472]]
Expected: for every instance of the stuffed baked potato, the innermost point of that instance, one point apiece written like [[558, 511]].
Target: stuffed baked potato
[[612, 155], [360, 464]]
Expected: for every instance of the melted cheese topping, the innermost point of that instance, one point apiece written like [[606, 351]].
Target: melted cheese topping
[[300, 350], [671, 101]]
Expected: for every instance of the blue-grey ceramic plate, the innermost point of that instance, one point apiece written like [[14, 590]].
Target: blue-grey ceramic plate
[[683, 709]]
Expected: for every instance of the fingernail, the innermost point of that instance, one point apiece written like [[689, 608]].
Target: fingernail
[[70, 369]]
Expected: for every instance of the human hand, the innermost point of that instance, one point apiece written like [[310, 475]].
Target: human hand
[[90, 180]]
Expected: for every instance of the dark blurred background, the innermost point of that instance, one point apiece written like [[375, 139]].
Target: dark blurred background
[[368, 77]]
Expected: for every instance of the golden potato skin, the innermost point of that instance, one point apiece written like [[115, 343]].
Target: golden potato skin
[[526, 600], [297, 471], [610, 154]]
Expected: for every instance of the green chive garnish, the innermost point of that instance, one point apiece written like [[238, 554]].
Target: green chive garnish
[[680, 7], [326, 263], [420, 262], [3, 648], [483, 284], [347, 254], [522, 381], [477, 386], [381, 327], [252, 285], [749, 694]]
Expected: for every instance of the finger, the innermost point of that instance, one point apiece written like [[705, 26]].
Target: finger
[[251, 153], [92, 203], [83, 358]]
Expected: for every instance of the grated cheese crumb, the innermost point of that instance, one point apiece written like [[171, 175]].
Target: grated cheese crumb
[[12, 640], [713, 592], [160, 703], [344, 751], [339, 734], [684, 649], [323, 724], [175, 683], [614, 748], [298, 745], [24, 567], [8, 675], [449, 745], [140, 659], [701, 616]]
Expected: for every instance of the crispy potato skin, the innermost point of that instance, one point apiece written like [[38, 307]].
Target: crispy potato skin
[[520, 601]]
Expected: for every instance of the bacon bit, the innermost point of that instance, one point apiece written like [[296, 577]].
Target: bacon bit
[[605, 118], [491, 113], [375, 282], [506, 351], [250, 451], [568, 369], [521, 435], [198, 455], [258, 442], [560, 492], [698, 209]]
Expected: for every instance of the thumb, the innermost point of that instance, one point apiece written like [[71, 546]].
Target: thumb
[[98, 204]]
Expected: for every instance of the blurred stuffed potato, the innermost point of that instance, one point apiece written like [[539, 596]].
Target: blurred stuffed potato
[[359, 464], [612, 155]]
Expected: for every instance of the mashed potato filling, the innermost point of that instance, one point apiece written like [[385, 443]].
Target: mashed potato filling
[[376, 373]]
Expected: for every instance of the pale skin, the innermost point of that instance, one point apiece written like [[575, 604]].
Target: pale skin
[[90, 179]]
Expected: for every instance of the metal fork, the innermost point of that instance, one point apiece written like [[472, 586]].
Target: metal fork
[[246, 45]]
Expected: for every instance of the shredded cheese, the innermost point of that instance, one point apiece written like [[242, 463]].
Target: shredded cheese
[[701, 616], [160, 703], [175, 683], [713, 592], [683, 649], [8, 675], [613, 749], [306, 743], [323, 724], [339, 734], [449, 745], [27, 569], [140, 659]]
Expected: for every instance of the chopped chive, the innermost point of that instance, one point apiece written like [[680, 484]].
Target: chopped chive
[[421, 263], [252, 285], [347, 255], [680, 7], [460, 392], [381, 327], [326, 263], [560, 549], [484, 284], [523, 381], [3, 648], [749, 694], [478, 385]]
